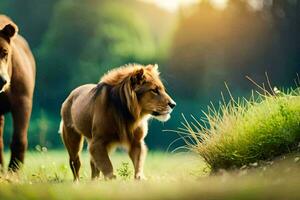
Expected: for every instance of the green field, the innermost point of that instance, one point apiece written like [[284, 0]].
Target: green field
[[46, 175]]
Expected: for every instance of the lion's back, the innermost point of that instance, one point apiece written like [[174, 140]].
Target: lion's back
[[22, 45], [75, 105]]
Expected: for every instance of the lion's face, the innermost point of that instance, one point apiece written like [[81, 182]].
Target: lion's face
[[6, 35], [151, 94]]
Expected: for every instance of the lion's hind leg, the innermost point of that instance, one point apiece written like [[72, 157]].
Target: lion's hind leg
[[95, 171], [73, 142]]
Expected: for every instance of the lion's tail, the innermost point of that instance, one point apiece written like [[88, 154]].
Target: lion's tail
[[61, 125]]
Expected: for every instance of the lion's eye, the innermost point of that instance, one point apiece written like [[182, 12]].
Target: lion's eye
[[155, 91], [3, 54]]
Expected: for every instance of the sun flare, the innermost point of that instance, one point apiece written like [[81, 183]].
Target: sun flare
[[221, 4], [174, 5]]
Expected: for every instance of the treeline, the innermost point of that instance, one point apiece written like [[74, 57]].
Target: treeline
[[199, 48], [212, 46], [75, 42]]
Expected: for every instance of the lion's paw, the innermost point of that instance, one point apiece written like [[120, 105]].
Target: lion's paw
[[110, 177], [140, 177]]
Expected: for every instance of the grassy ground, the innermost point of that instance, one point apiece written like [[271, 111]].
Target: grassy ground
[[170, 176]]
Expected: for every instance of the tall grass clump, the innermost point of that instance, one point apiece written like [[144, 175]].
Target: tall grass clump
[[244, 131]]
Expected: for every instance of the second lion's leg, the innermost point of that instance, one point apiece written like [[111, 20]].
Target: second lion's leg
[[21, 111], [1, 141]]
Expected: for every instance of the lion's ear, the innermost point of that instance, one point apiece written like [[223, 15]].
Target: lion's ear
[[138, 77], [152, 67], [10, 30]]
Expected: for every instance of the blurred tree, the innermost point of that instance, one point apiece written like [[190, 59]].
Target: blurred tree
[[286, 49], [84, 40], [212, 46], [120, 37], [32, 17], [3, 6]]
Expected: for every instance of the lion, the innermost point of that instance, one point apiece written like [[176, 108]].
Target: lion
[[17, 80], [114, 112]]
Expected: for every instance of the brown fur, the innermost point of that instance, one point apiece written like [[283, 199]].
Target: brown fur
[[115, 111], [17, 77]]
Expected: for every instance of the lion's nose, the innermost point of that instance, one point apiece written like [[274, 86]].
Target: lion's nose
[[172, 104], [3, 81]]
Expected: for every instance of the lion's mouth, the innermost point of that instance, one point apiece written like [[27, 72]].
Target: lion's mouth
[[4, 88], [155, 113], [161, 116]]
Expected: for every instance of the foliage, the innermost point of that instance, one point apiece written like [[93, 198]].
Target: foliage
[[124, 171], [246, 131]]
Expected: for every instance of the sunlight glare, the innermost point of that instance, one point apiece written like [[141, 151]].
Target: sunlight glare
[[174, 5], [256, 4], [220, 4]]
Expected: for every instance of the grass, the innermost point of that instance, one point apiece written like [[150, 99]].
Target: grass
[[46, 175], [244, 131], [52, 166]]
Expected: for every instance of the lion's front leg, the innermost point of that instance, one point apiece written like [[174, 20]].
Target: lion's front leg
[[137, 153], [100, 158]]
